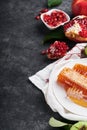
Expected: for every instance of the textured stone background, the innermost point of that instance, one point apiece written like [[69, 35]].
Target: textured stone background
[[22, 105]]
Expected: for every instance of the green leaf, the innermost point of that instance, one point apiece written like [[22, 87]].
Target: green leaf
[[67, 127], [52, 3], [56, 34], [55, 123]]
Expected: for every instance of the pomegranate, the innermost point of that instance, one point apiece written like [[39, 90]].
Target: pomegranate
[[54, 18], [56, 50], [41, 11], [79, 7], [76, 29]]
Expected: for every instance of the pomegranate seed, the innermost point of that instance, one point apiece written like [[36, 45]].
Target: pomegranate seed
[[83, 33], [37, 17], [42, 11], [44, 52], [55, 18]]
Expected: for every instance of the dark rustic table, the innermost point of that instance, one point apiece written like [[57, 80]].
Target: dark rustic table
[[22, 105]]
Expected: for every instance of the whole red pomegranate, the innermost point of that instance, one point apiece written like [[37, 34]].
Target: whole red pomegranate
[[79, 7]]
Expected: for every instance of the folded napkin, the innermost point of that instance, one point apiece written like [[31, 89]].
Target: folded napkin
[[41, 81]]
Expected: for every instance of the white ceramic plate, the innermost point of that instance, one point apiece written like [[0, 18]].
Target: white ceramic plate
[[60, 93]]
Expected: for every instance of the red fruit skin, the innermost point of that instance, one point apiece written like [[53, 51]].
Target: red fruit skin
[[79, 7]]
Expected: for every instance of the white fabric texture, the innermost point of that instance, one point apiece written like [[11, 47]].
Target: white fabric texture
[[41, 81]]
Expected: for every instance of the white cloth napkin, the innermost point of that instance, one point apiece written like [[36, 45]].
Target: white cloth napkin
[[41, 81]]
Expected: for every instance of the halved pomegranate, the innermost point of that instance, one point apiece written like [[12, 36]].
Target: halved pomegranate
[[76, 29], [54, 18]]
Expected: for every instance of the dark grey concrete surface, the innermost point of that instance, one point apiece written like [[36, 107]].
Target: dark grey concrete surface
[[22, 105]]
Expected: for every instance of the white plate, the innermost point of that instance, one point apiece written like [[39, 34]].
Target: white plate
[[60, 93]]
